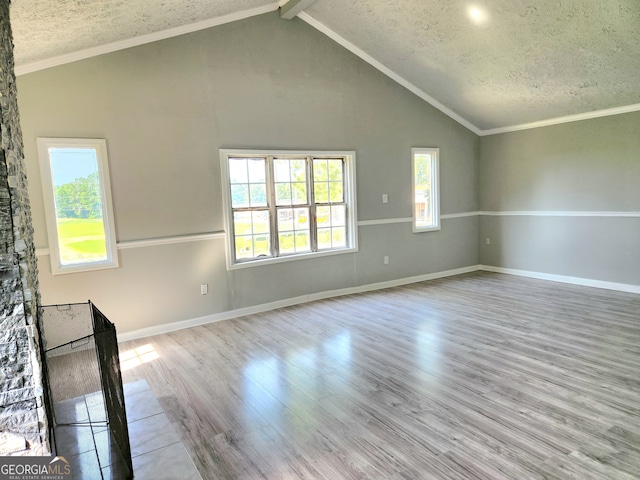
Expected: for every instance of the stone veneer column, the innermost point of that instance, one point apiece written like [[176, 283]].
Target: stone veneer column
[[23, 419]]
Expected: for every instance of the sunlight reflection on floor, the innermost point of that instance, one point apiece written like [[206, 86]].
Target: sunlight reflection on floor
[[137, 356]]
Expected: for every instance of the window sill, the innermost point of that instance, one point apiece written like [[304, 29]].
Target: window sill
[[85, 267], [426, 229], [289, 258]]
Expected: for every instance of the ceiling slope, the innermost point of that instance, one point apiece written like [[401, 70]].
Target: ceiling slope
[[507, 65]]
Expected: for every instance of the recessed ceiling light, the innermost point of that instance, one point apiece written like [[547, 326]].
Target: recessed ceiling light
[[477, 15]]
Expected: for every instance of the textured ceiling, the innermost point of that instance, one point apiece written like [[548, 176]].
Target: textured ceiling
[[529, 61], [48, 28]]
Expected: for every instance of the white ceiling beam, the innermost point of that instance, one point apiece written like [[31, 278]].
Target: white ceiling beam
[[294, 7]]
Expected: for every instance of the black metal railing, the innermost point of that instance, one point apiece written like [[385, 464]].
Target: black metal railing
[[85, 385]]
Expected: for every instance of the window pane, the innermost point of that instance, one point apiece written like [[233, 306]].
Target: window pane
[[281, 170], [331, 226], [302, 242], [247, 177], [238, 170], [335, 170], [287, 244], [250, 222], [338, 215], [423, 201], [301, 219], [338, 237], [321, 192], [335, 192], [244, 247], [285, 219], [258, 195], [293, 230], [320, 170], [425, 187], [324, 238], [240, 196], [78, 205], [252, 234], [283, 194], [299, 191], [242, 223], [291, 181], [261, 247], [298, 171], [257, 170], [328, 180], [323, 216], [260, 222]]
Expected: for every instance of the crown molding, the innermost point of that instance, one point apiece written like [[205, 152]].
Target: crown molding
[[566, 119], [142, 39]]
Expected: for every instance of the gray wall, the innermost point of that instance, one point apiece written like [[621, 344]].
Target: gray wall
[[166, 108], [587, 166]]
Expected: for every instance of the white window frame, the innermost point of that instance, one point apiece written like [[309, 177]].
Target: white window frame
[[435, 188], [100, 147], [349, 197]]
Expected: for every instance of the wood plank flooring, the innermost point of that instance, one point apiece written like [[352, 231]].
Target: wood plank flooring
[[479, 376]]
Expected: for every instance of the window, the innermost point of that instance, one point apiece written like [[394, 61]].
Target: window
[[281, 206], [77, 198], [426, 201]]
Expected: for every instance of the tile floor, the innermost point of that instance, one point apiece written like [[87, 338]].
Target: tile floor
[[156, 449]]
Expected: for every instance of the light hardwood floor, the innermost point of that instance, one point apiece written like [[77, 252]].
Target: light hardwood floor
[[477, 376]]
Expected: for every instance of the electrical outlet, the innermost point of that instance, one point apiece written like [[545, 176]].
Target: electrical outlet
[[487, 241], [386, 259], [204, 289], [385, 198]]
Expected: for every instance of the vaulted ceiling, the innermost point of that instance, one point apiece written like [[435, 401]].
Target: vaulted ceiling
[[493, 65]]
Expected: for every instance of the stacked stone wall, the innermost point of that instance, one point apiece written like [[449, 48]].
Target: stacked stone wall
[[23, 419]]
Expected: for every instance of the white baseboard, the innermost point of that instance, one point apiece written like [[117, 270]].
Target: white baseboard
[[585, 282], [265, 307]]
